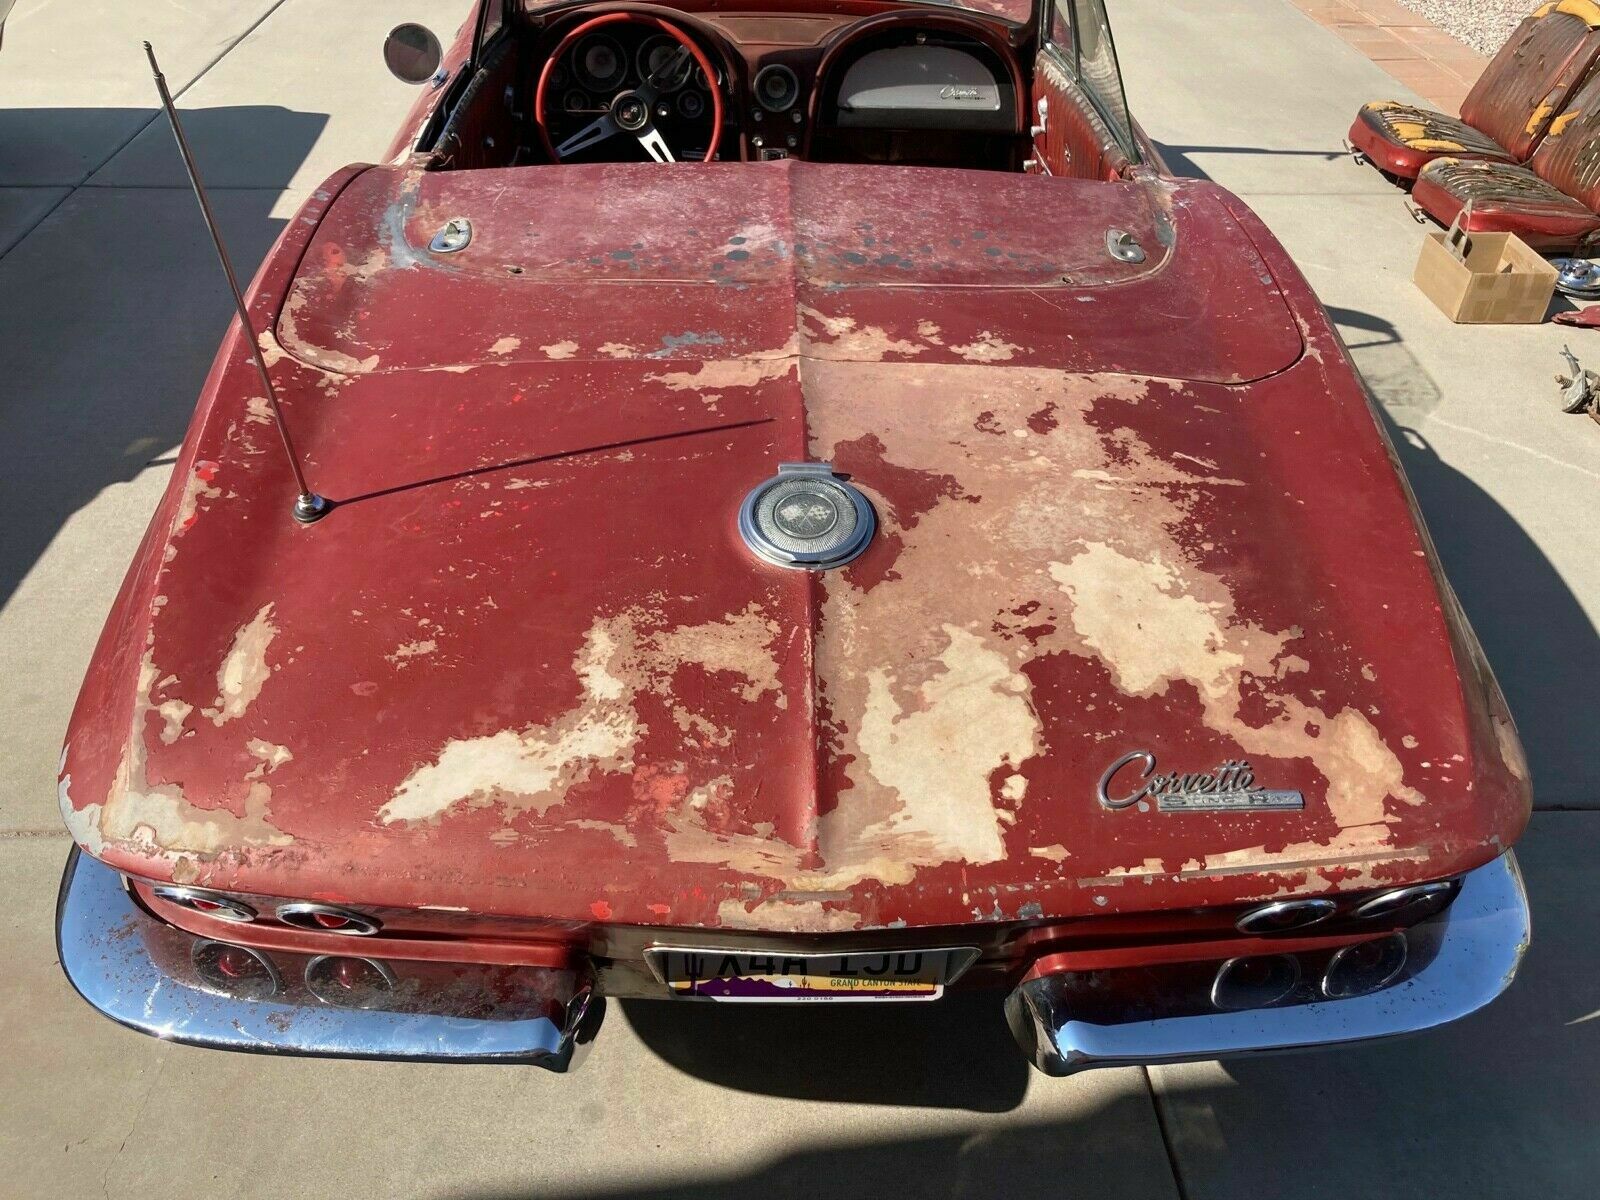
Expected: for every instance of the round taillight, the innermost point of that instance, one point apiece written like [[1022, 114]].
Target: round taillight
[[236, 970], [325, 918], [1254, 982], [1364, 967], [1408, 904], [212, 904], [346, 982], [1282, 916]]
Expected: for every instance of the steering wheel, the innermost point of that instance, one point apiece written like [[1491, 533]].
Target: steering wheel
[[630, 110]]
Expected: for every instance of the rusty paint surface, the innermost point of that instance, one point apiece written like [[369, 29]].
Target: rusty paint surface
[[527, 669]]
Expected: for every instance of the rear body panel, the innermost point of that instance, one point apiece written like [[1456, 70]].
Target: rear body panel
[[527, 669]]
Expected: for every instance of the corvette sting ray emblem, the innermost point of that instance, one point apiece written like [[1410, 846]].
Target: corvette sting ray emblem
[[806, 517], [1229, 788]]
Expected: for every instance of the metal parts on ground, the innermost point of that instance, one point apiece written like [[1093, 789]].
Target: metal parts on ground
[[1580, 391]]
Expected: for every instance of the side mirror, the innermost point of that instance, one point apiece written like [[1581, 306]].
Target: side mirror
[[412, 53]]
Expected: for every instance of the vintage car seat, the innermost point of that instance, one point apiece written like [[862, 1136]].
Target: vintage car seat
[[1551, 203], [1509, 109]]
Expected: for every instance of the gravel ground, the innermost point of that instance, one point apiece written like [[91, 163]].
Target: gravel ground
[[1482, 24]]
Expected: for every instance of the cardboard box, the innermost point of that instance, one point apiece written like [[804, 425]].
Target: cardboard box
[[1485, 278]]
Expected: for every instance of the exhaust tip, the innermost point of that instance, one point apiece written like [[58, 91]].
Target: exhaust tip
[[1254, 982], [1411, 904], [325, 918], [1282, 916], [1364, 967], [212, 904]]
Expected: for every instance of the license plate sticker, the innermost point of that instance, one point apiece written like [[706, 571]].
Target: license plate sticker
[[756, 977]]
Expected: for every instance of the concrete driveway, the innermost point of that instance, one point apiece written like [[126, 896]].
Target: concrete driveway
[[110, 310]]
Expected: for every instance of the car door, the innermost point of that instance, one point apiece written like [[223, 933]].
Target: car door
[[1081, 125]]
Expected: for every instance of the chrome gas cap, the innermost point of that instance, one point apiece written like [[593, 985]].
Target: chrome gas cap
[[807, 517]]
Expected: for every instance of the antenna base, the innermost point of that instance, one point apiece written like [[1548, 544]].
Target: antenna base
[[309, 507]]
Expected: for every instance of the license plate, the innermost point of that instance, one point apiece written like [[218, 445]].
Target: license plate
[[760, 976]]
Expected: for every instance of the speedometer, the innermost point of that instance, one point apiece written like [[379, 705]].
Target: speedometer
[[599, 63], [655, 53]]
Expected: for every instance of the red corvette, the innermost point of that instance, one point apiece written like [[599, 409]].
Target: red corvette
[[806, 509]]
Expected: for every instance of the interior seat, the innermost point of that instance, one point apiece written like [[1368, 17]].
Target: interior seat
[[1509, 109], [1551, 203]]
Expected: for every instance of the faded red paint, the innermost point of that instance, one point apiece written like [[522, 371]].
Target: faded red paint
[[525, 678]]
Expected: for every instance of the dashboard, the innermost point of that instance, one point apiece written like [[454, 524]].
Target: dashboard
[[922, 86]]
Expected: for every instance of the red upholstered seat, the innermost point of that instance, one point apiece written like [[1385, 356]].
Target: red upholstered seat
[[1505, 198], [1551, 203], [1508, 111]]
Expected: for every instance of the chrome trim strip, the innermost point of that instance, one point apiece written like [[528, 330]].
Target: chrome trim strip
[[1463, 958], [125, 963]]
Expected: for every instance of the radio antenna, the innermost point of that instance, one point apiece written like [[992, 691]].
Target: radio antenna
[[308, 506]]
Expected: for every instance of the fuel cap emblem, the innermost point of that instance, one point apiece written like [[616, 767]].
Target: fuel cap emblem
[[806, 517]]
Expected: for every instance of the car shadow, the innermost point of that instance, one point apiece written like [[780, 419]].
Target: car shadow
[[1179, 158], [111, 310], [1500, 1104], [956, 1053], [1543, 646], [1110, 1149]]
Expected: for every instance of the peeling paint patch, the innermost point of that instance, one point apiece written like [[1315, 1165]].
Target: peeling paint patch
[[1154, 625], [505, 345], [244, 671], [787, 916], [268, 755], [621, 833], [937, 753], [559, 350], [987, 348], [622, 658], [726, 373], [531, 768], [173, 714], [408, 650], [843, 339], [159, 818], [196, 488]]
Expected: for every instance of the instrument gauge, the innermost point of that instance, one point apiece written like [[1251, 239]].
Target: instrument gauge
[[777, 88], [691, 105], [599, 63], [655, 53]]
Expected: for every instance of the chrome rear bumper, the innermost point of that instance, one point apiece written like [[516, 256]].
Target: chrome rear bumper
[[146, 974], [1457, 962]]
